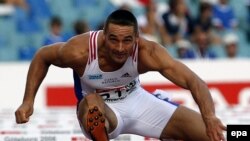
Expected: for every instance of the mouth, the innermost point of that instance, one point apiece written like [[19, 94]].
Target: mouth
[[120, 55]]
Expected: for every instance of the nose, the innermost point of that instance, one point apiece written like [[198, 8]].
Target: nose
[[120, 47]]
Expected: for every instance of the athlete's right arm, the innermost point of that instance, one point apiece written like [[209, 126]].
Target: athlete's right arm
[[37, 71], [59, 54]]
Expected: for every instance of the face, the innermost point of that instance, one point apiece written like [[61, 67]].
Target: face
[[181, 7], [231, 50], [56, 29], [206, 13], [119, 42], [201, 39]]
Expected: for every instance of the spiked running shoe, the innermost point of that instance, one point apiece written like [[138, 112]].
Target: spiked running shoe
[[96, 125]]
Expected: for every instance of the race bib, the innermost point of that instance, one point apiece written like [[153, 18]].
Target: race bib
[[118, 93]]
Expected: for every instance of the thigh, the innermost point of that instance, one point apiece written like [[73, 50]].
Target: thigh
[[148, 115], [185, 124]]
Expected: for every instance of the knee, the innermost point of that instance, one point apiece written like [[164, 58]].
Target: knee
[[93, 98], [88, 102]]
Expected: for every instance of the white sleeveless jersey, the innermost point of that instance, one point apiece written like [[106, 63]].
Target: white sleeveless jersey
[[112, 86]]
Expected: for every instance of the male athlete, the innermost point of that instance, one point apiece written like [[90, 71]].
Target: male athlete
[[112, 102]]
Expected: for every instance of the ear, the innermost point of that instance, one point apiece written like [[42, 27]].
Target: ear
[[137, 37], [137, 34], [103, 36]]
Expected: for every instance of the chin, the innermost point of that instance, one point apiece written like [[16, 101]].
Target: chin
[[119, 60]]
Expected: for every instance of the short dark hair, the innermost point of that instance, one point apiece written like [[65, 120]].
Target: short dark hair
[[121, 17], [56, 21], [80, 27], [172, 4], [205, 6]]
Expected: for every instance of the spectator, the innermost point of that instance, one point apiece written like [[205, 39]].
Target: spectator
[[80, 27], [204, 19], [224, 16], [231, 45], [178, 23], [55, 32], [201, 43], [151, 25], [184, 50]]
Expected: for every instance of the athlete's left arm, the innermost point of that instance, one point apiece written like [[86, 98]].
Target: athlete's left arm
[[156, 58]]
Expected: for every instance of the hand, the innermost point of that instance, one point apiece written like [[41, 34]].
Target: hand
[[215, 129], [23, 113]]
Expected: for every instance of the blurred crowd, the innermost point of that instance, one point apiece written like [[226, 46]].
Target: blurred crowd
[[188, 29]]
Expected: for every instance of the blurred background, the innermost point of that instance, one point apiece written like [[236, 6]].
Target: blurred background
[[190, 29], [212, 37]]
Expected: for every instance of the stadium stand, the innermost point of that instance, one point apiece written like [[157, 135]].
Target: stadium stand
[[22, 32]]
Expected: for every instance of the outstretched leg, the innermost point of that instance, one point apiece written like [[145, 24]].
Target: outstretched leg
[[96, 118], [185, 124]]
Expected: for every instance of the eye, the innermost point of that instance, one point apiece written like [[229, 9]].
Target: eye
[[127, 41], [113, 40]]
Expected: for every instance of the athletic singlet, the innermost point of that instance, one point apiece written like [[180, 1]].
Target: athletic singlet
[[112, 86]]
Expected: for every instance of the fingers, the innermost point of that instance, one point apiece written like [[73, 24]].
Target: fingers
[[216, 136], [215, 133], [220, 129], [219, 133], [221, 136], [223, 127], [21, 117]]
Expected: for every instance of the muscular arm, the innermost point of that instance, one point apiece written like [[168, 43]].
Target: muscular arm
[[155, 58], [38, 69], [69, 54], [60, 54]]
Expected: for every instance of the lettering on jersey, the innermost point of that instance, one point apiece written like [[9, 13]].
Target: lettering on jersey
[[110, 80], [119, 93], [130, 87], [95, 76], [125, 75]]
